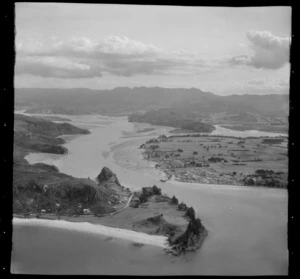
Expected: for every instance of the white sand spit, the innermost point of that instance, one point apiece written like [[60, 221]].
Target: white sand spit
[[155, 240]]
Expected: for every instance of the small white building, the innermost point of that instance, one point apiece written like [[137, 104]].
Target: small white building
[[86, 211]]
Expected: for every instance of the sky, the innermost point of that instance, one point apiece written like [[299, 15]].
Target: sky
[[102, 46]]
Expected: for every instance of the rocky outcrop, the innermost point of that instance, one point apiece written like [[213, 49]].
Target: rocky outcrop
[[107, 176], [192, 238]]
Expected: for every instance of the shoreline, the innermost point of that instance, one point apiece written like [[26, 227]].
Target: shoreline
[[197, 169], [105, 231], [176, 179]]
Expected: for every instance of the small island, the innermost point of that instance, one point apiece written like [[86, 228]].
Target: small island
[[41, 191]]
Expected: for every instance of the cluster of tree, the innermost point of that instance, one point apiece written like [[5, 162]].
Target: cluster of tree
[[216, 159], [264, 172], [268, 182], [190, 212], [273, 141], [152, 141], [197, 164], [148, 192], [182, 206], [154, 147]]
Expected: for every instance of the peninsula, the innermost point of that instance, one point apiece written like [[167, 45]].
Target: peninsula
[[41, 191]]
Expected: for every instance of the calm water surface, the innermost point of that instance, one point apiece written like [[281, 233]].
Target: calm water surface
[[247, 226]]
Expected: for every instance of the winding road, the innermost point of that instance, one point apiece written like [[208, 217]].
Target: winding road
[[128, 202]]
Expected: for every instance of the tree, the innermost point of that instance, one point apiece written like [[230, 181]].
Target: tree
[[156, 190], [182, 206], [190, 213], [174, 200], [143, 197]]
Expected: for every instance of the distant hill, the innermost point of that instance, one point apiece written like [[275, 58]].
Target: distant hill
[[125, 101], [177, 118], [37, 134], [40, 186]]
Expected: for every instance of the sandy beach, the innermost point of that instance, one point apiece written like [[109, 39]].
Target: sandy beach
[[129, 235]]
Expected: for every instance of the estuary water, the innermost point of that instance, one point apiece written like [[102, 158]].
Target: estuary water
[[247, 226]]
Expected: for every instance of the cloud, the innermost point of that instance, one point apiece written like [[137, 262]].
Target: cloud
[[81, 45], [269, 51], [82, 57], [55, 67], [123, 45], [264, 85], [238, 60]]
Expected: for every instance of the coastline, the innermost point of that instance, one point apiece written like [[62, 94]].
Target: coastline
[[76, 198], [105, 231], [217, 160], [202, 199], [178, 179]]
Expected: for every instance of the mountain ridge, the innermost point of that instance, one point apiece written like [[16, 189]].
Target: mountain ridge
[[144, 87], [123, 101]]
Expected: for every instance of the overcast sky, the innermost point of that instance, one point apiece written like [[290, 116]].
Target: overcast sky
[[222, 50]]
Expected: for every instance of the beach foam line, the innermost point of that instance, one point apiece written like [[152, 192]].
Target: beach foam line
[[154, 240]]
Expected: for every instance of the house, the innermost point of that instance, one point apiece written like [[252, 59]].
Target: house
[[86, 211]]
